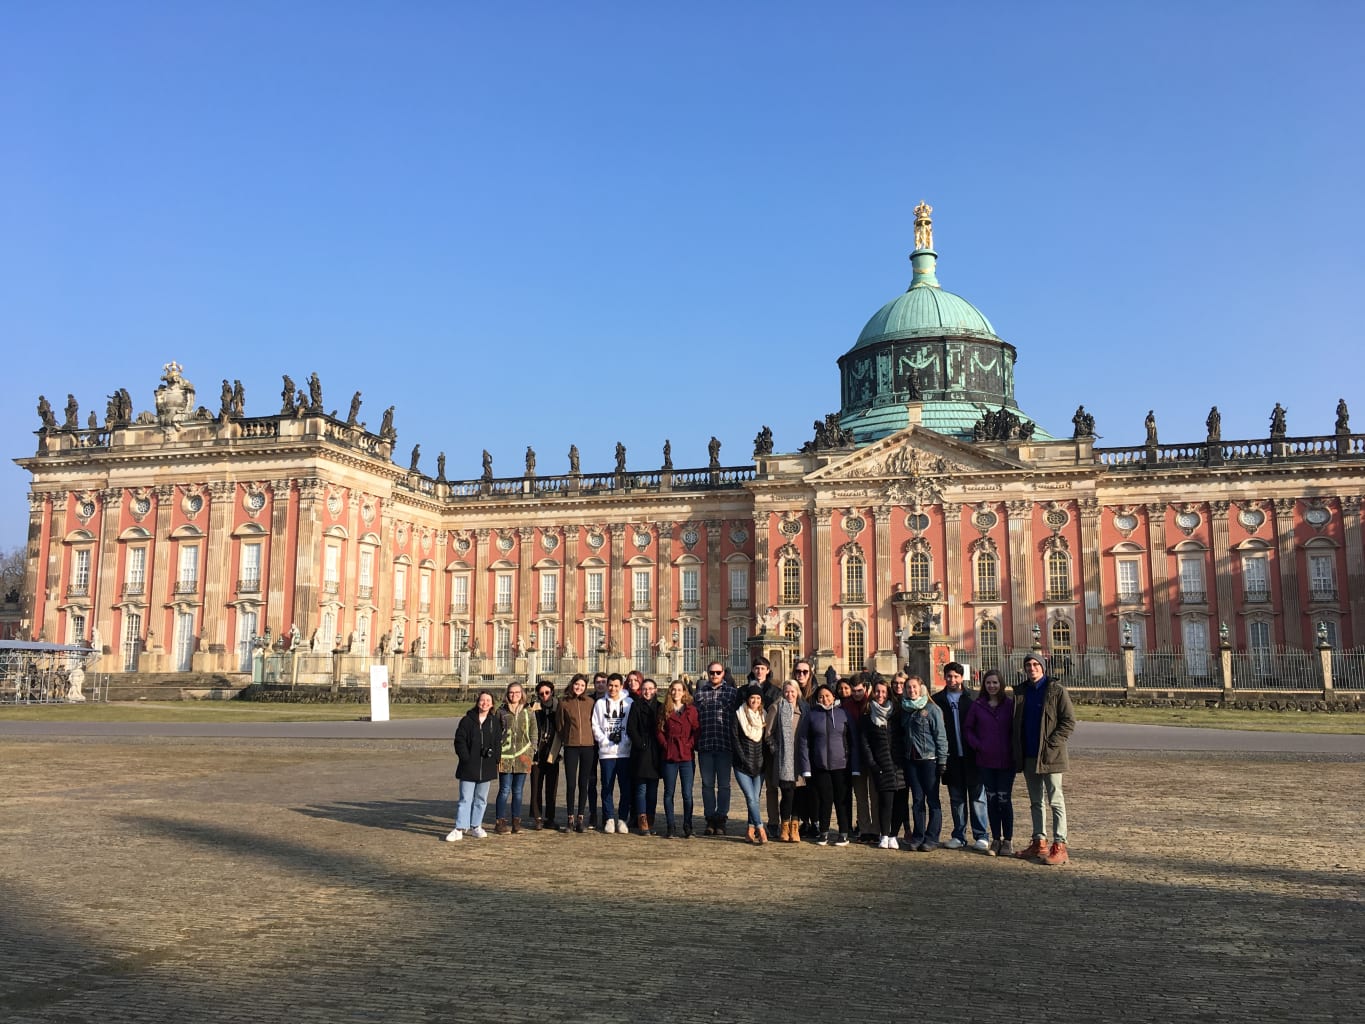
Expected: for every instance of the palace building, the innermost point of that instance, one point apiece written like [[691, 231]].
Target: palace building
[[930, 506]]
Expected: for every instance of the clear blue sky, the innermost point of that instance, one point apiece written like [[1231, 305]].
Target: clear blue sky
[[545, 223]]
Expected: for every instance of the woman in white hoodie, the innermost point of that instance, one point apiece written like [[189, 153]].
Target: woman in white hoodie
[[613, 751]]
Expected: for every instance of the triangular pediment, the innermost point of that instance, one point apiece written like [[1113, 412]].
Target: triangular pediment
[[914, 453]]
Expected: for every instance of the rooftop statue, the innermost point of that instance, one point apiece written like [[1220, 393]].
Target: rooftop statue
[[713, 449], [487, 465], [1215, 425], [355, 410], [238, 399], [314, 393], [92, 421], [530, 461], [668, 454], [924, 226], [620, 457], [1150, 423], [225, 399], [386, 425], [1277, 425], [829, 433], [300, 404], [1343, 417], [763, 442], [171, 374], [49, 421], [441, 467], [573, 458], [416, 455], [1083, 423], [73, 412], [287, 396]]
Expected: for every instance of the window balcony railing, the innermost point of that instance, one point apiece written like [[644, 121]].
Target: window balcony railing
[[988, 594], [548, 606], [1194, 597], [1322, 594], [640, 604], [1132, 597], [502, 607], [423, 607], [250, 585], [459, 607], [186, 586], [739, 602], [789, 599], [399, 604], [1256, 595], [854, 597], [331, 586], [592, 604], [1059, 593], [692, 604], [365, 591], [134, 588], [78, 590]]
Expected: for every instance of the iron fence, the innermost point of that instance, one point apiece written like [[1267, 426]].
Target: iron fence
[[1348, 669], [1169, 668], [1276, 668]]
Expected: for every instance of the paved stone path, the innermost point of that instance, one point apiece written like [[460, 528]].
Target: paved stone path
[[1089, 735], [164, 879]]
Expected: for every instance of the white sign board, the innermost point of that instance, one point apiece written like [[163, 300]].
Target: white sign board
[[379, 693]]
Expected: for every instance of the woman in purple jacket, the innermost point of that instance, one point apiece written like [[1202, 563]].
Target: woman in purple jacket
[[987, 731], [827, 754]]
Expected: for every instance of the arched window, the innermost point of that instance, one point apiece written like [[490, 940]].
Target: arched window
[[792, 631], [791, 580], [855, 647], [987, 576], [1058, 575], [988, 643], [920, 569], [855, 573]]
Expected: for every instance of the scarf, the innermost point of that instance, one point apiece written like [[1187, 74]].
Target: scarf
[[751, 723], [915, 705], [786, 747], [879, 714]]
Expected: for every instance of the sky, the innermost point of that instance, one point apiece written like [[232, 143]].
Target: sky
[[541, 224]]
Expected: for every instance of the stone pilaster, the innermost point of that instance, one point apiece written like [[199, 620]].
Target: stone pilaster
[[307, 570], [664, 610], [161, 583], [350, 569], [714, 571], [528, 602], [104, 578], [573, 613], [821, 575], [1222, 560], [1288, 559], [480, 597], [1355, 570], [442, 642], [1158, 569], [1019, 529], [954, 585], [1092, 592], [35, 592], [759, 592], [278, 613], [618, 600]]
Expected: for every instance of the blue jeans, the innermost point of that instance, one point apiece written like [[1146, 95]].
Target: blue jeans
[[715, 782], [646, 796], [927, 812], [673, 772], [750, 785], [510, 784], [615, 772], [963, 785], [473, 802], [997, 783]]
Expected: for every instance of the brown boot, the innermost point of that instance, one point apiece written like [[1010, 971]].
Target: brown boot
[[1056, 855], [786, 836], [516, 826], [796, 830], [762, 833], [1034, 850], [642, 823], [750, 834], [500, 827]]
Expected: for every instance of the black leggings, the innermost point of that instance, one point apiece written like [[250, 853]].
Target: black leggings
[[578, 772], [833, 793], [892, 808], [786, 797]]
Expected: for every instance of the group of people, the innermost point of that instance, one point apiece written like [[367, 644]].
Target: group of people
[[804, 758]]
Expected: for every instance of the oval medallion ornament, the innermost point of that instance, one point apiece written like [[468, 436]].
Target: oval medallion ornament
[[549, 541], [641, 540], [1125, 522], [853, 525], [1317, 516], [1252, 518], [141, 506], [1055, 518], [985, 520], [462, 545], [255, 501], [1187, 521], [690, 537], [917, 521], [595, 541], [738, 535], [505, 543], [194, 503], [789, 527], [86, 509]]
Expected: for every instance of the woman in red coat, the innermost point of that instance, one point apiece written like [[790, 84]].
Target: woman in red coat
[[678, 726]]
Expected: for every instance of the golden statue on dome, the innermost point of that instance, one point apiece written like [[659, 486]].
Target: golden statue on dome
[[924, 226]]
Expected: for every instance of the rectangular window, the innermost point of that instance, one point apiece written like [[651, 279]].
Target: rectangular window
[[791, 581], [77, 629], [739, 586], [459, 595], [366, 570], [400, 587], [331, 569], [502, 647], [987, 577], [80, 571], [1322, 577], [502, 601], [593, 600], [640, 590], [1192, 579], [250, 580], [691, 648], [1195, 636], [135, 580], [187, 579], [1258, 642], [988, 643], [920, 571], [640, 648], [132, 641], [691, 589], [424, 592], [594, 638], [855, 588], [855, 653], [1256, 577], [1130, 581], [549, 591], [739, 650], [549, 648]]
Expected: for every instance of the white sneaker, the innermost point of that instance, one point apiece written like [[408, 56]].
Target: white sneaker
[[884, 843], [954, 844], [981, 846], [478, 833], [454, 835], [892, 843], [610, 826], [622, 829]]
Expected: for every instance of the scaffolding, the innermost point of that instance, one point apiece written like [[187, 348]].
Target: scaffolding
[[42, 673]]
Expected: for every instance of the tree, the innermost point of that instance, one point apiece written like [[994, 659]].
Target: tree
[[13, 564]]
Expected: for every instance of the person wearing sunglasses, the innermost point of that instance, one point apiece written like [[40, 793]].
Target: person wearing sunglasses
[[803, 799], [716, 701]]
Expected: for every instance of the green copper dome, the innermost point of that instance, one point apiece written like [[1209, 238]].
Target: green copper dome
[[925, 311]]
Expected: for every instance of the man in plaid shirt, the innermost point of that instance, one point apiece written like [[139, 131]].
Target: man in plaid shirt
[[716, 700]]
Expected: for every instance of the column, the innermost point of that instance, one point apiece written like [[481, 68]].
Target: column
[[35, 592], [883, 642], [1355, 571], [442, 642], [213, 629], [820, 583], [160, 582], [479, 599], [306, 561], [527, 600], [1158, 568], [759, 582], [714, 571], [573, 614], [1288, 558], [350, 570], [953, 582], [104, 590], [1092, 592], [1222, 560], [1019, 528], [664, 612], [276, 606], [617, 606]]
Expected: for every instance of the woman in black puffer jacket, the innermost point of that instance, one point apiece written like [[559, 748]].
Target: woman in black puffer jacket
[[478, 744], [883, 748]]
